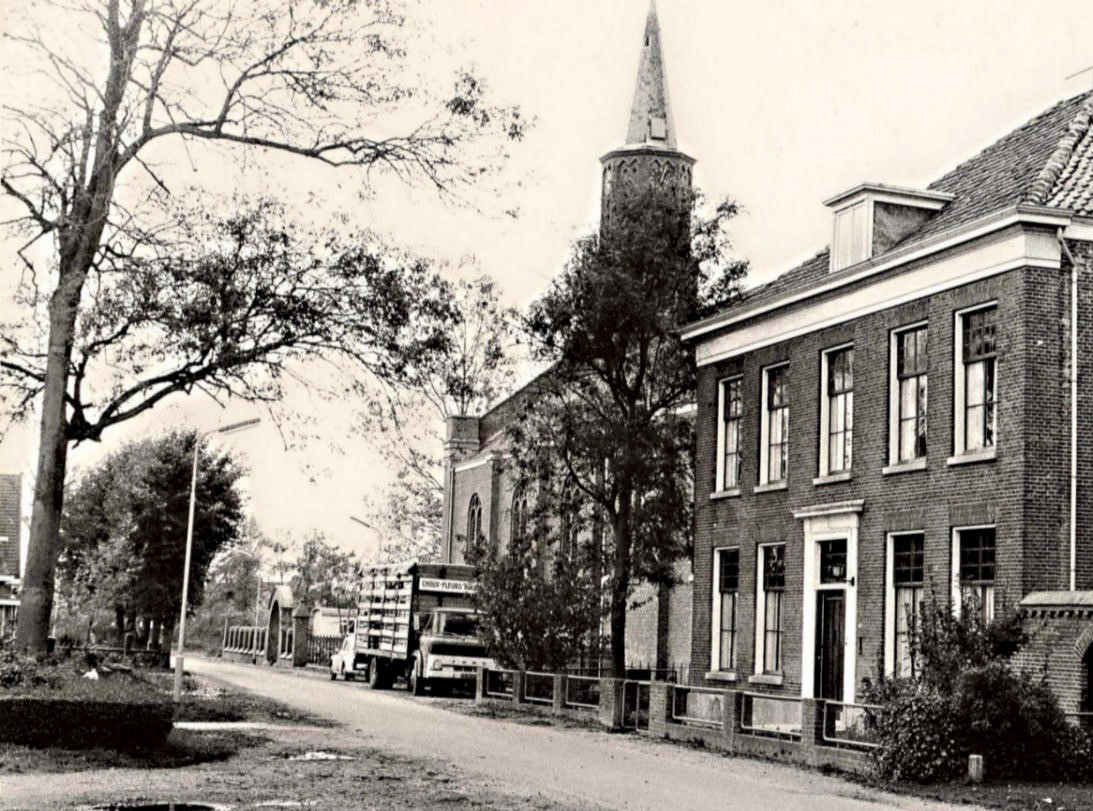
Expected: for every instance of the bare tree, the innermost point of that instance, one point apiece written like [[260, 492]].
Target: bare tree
[[474, 368], [307, 78]]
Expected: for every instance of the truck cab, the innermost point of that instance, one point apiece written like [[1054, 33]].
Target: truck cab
[[449, 649]]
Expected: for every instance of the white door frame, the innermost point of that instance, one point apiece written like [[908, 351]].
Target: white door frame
[[829, 522]]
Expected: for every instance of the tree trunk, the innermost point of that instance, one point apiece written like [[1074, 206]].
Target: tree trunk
[[36, 604], [119, 624], [620, 583], [79, 239]]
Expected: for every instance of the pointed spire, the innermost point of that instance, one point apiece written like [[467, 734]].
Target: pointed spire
[[651, 115]]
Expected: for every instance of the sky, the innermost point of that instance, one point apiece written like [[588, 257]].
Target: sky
[[783, 103]]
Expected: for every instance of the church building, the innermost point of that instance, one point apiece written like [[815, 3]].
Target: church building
[[481, 494]]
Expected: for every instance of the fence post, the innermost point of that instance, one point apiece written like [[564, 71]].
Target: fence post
[[480, 686], [558, 705], [301, 638], [812, 729], [730, 718], [224, 638], [519, 684], [660, 708], [611, 703]]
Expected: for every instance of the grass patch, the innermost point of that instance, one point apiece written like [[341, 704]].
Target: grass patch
[[1008, 796], [526, 714]]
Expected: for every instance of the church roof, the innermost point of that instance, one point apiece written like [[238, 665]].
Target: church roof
[[1046, 161], [651, 114]]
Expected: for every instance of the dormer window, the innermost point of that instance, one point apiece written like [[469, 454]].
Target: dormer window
[[851, 236], [871, 219]]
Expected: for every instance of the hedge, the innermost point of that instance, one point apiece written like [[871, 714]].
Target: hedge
[[80, 723]]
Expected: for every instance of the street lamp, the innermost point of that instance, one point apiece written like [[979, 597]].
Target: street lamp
[[226, 429]]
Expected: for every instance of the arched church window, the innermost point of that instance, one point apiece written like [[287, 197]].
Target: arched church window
[[474, 520], [570, 515], [519, 514]]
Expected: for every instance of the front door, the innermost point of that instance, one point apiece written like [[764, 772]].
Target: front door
[[830, 636]]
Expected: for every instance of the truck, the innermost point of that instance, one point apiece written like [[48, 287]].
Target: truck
[[416, 621]]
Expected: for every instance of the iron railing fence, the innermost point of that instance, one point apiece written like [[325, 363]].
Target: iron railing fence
[[776, 716], [852, 725], [698, 706], [321, 648], [538, 687], [582, 692], [500, 683], [245, 639]]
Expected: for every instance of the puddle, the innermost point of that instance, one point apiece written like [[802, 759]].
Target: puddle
[[142, 806], [286, 804], [320, 756]]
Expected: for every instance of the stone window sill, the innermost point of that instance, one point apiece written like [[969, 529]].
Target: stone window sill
[[733, 492], [771, 679], [833, 478], [770, 487], [721, 675], [971, 457], [910, 466]]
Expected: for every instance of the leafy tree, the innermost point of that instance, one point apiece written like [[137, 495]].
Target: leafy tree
[[540, 610], [124, 529], [317, 80], [608, 415], [473, 368], [232, 585], [324, 574]]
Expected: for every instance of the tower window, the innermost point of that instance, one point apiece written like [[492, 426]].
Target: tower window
[[658, 128]]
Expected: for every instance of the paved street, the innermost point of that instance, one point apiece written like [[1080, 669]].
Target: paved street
[[572, 766]]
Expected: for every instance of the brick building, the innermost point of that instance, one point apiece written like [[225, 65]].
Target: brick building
[[894, 421], [10, 535], [481, 494]]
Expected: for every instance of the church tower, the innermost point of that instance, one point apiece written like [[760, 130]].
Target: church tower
[[649, 156]]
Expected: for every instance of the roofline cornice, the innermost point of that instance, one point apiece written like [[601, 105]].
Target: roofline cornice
[[1020, 214], [631, 150], [911, 196]]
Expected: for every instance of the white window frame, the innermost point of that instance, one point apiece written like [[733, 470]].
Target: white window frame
[[764, 429], [959, 388], [890, 595], [893, 394], [761, 613], [956, 596], [844, 219], [722, 385], [825, 414], [715, 624]]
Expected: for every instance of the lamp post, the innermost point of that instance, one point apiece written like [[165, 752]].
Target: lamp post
[[226, 429]]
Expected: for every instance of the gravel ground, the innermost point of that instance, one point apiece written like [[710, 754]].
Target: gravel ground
[[288, 766]]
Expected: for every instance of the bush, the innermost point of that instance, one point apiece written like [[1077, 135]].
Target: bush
[[966, 699], [918, 736]]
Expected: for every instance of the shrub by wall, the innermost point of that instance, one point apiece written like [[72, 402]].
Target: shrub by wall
[[965, 699]]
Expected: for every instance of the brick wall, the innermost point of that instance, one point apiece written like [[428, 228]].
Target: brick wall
[[1083, 252], [1022, 491]]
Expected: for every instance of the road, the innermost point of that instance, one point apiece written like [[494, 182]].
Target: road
[[585, 768]]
